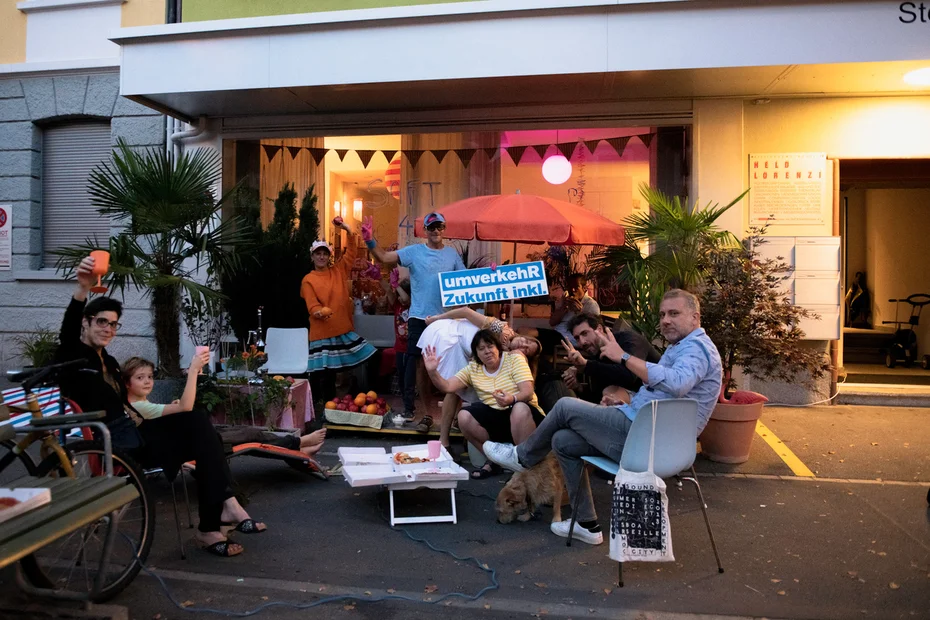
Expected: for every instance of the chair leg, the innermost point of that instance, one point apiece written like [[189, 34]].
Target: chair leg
[[177, 519], [619, 574], [710, 532], [187, 500], [571, 528]]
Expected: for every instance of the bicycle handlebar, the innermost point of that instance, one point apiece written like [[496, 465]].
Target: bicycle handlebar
[[35, 376]]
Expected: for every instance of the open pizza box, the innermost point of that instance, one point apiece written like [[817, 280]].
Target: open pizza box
[[375, 466], [21, 500]]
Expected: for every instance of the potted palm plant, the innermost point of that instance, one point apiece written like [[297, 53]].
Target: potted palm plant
[[747, 314], [171, 229]]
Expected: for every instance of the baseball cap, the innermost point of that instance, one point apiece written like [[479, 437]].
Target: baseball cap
[[320, 244], [433, 218]]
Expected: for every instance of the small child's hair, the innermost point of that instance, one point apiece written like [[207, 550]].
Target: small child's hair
[[133, 364]]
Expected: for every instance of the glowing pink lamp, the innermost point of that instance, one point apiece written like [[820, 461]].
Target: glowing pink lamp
[[556, 169]]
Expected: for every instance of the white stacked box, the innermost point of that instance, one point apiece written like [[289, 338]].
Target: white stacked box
[[375, 466]]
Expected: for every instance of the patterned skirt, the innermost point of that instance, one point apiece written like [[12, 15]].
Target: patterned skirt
[[338, 352]]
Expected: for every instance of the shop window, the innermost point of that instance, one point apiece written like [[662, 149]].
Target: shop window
[[70, 152]]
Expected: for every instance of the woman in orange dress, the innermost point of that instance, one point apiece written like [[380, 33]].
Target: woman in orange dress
[[333, 343]]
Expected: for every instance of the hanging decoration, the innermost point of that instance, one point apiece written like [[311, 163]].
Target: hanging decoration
[[392, 178], [516, 152]]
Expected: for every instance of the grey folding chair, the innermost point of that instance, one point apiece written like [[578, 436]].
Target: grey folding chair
[[675, 449], [154, 472]]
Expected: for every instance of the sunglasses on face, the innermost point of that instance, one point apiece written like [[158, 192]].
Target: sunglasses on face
[[433, 227], [102, 322]]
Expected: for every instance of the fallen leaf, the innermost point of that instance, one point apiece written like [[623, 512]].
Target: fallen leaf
[[391, 591], [539, 584], [852, 573], [264, 598], [448, 602], [775, 580], [430, 588], [782, 593], [349, 607], [583, 563], [485, 567], [487, 606], [367, 593], [882, 553], [187, 603], [607, 590], [517, 572], [874, 443], [831, 452], [894, 586]]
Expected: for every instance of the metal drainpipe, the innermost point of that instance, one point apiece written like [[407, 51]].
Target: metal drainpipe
[[174, 140]]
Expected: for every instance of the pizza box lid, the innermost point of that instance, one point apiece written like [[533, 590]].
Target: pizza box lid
[[363, 456], [372, 475]]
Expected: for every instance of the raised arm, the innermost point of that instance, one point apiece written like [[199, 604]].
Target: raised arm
[[431, 363], [71, 324], [186, 403], [384, 257], [475, 318]]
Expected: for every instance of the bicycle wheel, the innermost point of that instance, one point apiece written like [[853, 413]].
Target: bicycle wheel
[[71, 562], [12, 465]]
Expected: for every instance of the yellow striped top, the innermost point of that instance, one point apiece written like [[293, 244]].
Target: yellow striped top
[[512, 371]]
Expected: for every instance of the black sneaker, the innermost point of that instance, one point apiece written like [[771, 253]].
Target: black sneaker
[[408, 416]]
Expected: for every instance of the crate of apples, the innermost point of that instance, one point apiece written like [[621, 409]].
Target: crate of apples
[[369, 403]]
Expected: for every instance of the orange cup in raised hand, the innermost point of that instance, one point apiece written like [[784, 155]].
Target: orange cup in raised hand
[[101, 266]]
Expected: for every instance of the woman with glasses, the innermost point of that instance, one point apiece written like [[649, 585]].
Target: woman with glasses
[[167, 442]]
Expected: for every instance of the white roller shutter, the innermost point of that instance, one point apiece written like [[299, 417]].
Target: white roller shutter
[[69, 153]]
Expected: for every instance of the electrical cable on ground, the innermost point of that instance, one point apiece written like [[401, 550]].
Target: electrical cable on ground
[[819, 402], [494, 585]]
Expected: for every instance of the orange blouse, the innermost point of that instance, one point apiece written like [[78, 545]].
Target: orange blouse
[[329, 288]]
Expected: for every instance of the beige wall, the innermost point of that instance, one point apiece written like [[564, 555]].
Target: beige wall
[[897, 261], [13, 41], [727, 131], [143, 13]]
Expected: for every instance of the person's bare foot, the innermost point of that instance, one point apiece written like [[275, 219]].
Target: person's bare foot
[[315, 438], [207, 539], [234, 514]]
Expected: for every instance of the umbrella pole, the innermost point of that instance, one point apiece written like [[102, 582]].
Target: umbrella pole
[[511, 318]]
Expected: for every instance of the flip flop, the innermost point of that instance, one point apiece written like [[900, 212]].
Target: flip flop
[[482, 473], [247, 526], [220, 548], [426, 423]]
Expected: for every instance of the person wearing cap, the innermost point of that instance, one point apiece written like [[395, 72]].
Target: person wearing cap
[[425, 263], [334, 345]]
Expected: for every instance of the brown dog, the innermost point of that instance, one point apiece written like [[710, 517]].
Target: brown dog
[[539, 485]]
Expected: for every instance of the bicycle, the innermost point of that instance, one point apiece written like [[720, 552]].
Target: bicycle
[[64, 565]]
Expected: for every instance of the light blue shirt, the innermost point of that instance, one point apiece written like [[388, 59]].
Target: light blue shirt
[[691, 368], [425, 265]]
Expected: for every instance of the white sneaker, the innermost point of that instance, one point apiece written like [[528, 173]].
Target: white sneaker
[[504, 454], [560, 528]]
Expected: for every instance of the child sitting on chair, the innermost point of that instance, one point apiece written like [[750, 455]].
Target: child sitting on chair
[[139, 382]]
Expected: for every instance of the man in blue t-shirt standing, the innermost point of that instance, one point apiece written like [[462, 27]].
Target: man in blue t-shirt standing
[[425, 263]]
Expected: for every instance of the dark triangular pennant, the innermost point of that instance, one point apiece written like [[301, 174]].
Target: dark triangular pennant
[[647, 138], [389, 155], [591, 145], [341, 153], [566, 149], [491, 152], [465, 155], [271, 150], [440, 155], [541, 149], [317, 154], [294, 151], [618, 144], [516, 152], [413, 157], [365, 156]]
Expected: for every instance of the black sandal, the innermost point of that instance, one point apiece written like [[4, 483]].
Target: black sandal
[[221, 548], [425, 424], [486, 471], [246, 526]]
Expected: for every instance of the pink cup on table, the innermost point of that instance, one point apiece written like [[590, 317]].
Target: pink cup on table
[[434, 448]]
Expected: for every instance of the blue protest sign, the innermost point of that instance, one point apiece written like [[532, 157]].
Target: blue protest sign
[[475, 286]]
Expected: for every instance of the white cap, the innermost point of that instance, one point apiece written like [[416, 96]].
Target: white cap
[[320, 244]]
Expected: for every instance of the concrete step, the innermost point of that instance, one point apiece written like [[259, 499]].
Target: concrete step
[[884, 395]]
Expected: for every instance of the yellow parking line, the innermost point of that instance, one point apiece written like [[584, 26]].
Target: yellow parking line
[[789, 457]]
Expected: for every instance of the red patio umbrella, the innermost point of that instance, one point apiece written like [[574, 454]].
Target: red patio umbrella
[[522, 218]]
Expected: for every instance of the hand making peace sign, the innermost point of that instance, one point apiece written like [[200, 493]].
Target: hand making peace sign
[[609, 347], [574, 356]]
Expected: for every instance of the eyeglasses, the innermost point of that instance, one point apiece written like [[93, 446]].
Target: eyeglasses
[[102, 322], [433, 227]]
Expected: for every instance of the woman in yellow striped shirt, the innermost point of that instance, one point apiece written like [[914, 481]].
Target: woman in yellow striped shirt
[[506, 406]]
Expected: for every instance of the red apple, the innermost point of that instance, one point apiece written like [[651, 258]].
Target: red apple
[[381, 402], [341, 407], [353, 408], [370, 400]]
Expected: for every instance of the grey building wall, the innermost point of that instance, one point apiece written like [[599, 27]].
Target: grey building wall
[[30, 296]]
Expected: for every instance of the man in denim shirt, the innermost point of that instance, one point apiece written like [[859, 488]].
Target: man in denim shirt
[[689, 368]]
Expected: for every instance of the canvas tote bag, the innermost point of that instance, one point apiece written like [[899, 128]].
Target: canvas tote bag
[[639, 526]]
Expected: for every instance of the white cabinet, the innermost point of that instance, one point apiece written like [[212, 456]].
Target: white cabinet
[[815, 282]]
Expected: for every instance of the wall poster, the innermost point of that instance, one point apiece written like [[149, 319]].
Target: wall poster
[[6, 237], [788, 188]]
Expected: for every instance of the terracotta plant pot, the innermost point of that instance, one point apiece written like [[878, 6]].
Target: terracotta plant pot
[[728, 435]]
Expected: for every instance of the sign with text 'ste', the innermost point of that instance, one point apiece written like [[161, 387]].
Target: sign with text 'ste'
[[6, 237], [475, 286]]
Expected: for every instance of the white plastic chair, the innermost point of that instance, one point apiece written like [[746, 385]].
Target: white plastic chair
[[676, 447], [287, 351]]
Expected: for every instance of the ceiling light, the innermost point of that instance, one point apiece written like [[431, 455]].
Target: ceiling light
[[556, 169], [918, 77]]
